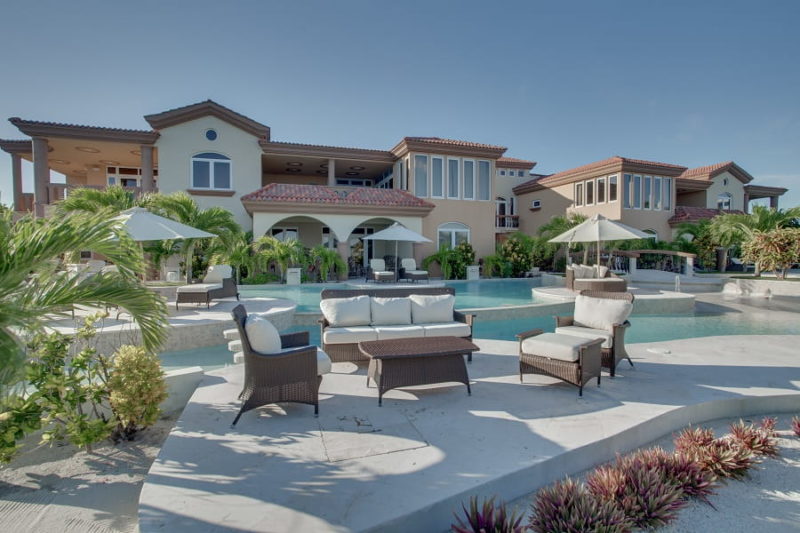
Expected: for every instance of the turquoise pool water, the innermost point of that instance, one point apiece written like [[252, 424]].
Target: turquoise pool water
[[644, 328], [469, 294]]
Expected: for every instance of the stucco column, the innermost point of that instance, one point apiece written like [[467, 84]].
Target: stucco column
[[41, 175], [690, 266], [746, 201], [331, 172], [343, 247], [16, 181], [631, 266], [773, 202], [147, 168]]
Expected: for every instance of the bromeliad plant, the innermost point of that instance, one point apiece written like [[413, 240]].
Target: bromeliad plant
[[796, 425], [567, 506], [760, 440], [488, 518]]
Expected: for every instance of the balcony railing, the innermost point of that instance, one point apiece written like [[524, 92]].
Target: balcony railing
[[506, 221]]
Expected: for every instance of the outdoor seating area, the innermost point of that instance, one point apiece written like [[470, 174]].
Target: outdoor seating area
[[593, 278], [217, 283]]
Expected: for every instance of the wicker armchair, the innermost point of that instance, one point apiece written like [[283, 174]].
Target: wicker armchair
[[378, 272], [577, 372], [613, 354], [288, 376]]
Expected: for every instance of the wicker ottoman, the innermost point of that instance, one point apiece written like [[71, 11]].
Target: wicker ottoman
[[575, 360]]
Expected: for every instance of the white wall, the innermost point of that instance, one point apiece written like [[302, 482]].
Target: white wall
[[177, 144], [734, 187]]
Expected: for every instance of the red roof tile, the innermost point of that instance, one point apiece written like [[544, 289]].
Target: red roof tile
[[321, 194], [710, 171], [694, 214], [515, 163], [452, 142]]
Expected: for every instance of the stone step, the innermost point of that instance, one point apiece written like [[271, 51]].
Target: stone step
[[238, 358], [235, 346], [231, 334]]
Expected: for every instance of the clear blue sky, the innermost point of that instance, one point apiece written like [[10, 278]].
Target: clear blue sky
[[562, 83]]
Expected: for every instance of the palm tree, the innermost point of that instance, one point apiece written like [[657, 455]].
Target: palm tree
[[283, 253], [113, 199], [183, 208], [32, 287], [558, 225], [236, 250], [446, 257], [326, 259]]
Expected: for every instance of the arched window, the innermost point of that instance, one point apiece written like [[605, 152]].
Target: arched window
[[724, 201], [653, 233], [211, 171], [452, 234]]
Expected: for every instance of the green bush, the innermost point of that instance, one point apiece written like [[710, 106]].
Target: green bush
[[136, 389], [261, 279], [774, 250]]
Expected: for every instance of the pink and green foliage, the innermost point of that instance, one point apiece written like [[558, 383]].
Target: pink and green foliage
[[759, 440], [693, 481], [566, 506], [773, 250], [796, 425], [639, 489], [488, 518], [720, 457], [690, 438]]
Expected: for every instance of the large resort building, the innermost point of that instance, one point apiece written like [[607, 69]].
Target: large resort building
[[450, 191]]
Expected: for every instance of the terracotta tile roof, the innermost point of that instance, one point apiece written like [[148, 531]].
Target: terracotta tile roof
[[452, 142], [306, 145], [710, 171], [185, 113], [513, 162], [694, 214], [322, 194], [36, 128]]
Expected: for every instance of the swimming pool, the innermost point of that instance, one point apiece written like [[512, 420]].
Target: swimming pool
[[644, 328], [469, 294]]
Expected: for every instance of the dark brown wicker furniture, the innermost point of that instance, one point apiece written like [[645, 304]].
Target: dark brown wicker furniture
[[416, 361], [577, 373], [288, 376], [378, 272], [349, 352], [228, 289], [408, 271], [613, 355], [610, 283]]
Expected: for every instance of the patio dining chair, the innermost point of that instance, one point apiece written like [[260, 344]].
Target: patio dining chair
[[378, 271]]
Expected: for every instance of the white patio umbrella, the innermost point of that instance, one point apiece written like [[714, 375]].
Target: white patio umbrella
[[396, 232], [598, 229], [142, 225]]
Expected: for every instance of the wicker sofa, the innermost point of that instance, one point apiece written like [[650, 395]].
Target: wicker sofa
[[593, 278], [354, 315]]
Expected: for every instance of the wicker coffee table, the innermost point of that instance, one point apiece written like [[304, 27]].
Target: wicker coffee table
[[416, 361]]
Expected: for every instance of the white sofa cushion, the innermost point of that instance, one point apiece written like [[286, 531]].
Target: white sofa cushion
[[263, 336], [588, 333], [427, 309], [390, 311], [600, 271], [554, 346], [398, 332], [601, 313], [410, 266], [199, 287], [447, 329], [341, 312], [216, 273], [349, 335], [587, 271]]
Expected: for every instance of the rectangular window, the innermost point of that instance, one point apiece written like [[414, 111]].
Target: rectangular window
[[222, 175], [484, 180], [656, 192], [667, 193], [612, 188], [648, 192], [637, 192], [112, 180], [421, 175], [437, 177], [590, 192], [469, 180], [601, 190], [521, 173], [579, 193], [453, 178], [201, 174], [502, 172]]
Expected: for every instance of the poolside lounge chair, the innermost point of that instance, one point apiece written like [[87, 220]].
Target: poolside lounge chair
[[378, 270], [218, 283], [288, 370], [604, 315], [409, 270]]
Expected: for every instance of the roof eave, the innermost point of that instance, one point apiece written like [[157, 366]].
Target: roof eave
[[71, 131], [279, 206], [282, 148], [14, 146], [180, 115]]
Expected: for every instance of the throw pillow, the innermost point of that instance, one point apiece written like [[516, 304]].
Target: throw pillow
[[426, 309], [601, 313], [587, 272], [263, 336], [342, 312], [390, 311], [602, 271]]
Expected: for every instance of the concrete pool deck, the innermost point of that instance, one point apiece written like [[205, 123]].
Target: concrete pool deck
[[646, 300], [408, 465]]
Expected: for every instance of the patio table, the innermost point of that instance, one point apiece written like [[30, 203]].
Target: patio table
[[413, 361]]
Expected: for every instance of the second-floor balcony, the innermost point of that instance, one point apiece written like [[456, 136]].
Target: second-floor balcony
[[506, 222]]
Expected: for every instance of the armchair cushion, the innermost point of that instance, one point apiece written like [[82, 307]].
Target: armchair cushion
[[561, 347], [263, 336], [390, 311], [601, 313], [427, 309], [602, 271], [410, 265], [341, 312], [199, 287], [588, 333], [216, 273]]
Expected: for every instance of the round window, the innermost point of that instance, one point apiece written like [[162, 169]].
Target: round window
[[725, 181], [211, 135]]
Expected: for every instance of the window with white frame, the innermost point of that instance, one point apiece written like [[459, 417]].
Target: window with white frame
[[579, 193], [484, 180], [211, 170], [469, 179], [612, 188], [627, 186], [589, 192], [667, 193], [285, 234], [437, 177], [421, 175], [453, 178], [724, 201], [601, 190], [648, 192], [657, 193], [637, 192], [451, 234]]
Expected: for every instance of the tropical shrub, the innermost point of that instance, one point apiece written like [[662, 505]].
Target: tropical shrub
[[487, 518], [796, 425], [759, 440], [567, 506], [721, 457], [496, 265], [516, 251], [446, 258], [774, 250], [136, 388], [326, 259], [261, 279], [464, 256]]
